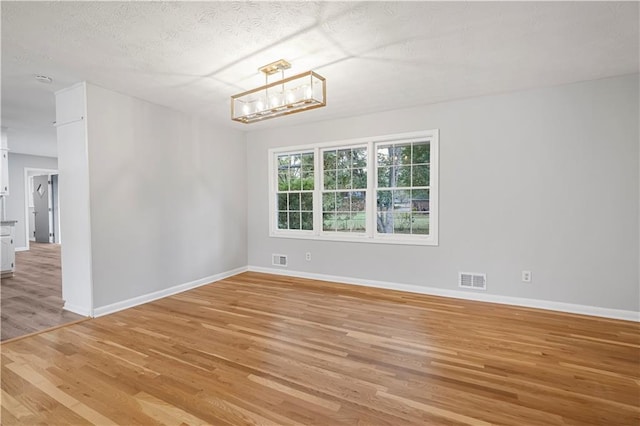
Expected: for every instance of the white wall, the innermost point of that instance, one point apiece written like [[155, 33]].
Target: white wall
[[15, 200], [168, 197], [544, 180], [38, 140]]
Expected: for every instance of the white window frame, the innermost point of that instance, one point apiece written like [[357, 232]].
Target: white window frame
[[371, 234], [336, 234], [273, 184]]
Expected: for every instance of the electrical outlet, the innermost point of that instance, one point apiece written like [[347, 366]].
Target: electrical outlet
[[526, 276], [307, 256]]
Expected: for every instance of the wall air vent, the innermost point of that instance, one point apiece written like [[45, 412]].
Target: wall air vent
[[473, 281], [279, 260]]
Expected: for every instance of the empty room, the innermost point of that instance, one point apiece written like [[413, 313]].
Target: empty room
[[281, 213]]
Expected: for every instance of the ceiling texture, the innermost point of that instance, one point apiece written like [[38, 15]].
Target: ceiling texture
[[376, 56]]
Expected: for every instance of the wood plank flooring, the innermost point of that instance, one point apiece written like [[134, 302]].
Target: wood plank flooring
[[264, 349], [31, 300]]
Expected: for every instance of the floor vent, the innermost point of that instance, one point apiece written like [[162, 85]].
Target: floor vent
[[279, 260], [472, 280]]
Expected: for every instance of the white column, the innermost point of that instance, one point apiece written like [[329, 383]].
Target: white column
[[73, 190]]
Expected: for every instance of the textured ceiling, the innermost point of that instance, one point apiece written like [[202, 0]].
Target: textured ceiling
[[192, 56]]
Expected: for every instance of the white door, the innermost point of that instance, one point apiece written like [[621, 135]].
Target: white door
[[42, 208], [32, 221]]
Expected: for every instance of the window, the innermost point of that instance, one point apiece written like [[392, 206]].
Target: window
[[381, 190], [296, 180], [344, 189], [402, 192]]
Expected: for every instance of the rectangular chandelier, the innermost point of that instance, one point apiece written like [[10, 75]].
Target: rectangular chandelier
[[302, 92]]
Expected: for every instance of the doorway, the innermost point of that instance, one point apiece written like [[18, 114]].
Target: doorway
[[32, 298], [42, 211], [44, 221]]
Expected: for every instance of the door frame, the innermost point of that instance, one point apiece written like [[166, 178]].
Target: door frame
[[33, 171]]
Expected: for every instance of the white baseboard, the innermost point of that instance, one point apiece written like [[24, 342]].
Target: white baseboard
[[76, 309], [145, 298], [21, 249], [482, 297]]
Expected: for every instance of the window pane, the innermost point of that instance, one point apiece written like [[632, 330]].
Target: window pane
[[344, 158], [403, 177], [401, 201], [403, 152], [283, 204], [421, 175], [420, 223], [307, 180], [421, 153], [385, 155], [329, 222], [384, 200], [329, 160], [343, 203], [329, 201], [384, 177], [296, 161], [307, 162], [402, 223], [384, 221], [283, 181], [358, 222], [283, 220], [359, 157], [307, 221], [358, 201], [294, 201], [344, 179], [295, 179], [420, 200], [306, 201], [294, 220], [343, 222], [359, 179], [283, 162], [330, 179]]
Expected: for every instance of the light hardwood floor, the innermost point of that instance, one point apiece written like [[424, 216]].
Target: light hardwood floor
[[265, 349], [32, 299]]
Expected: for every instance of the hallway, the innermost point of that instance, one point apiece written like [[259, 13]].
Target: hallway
[[32, 298]]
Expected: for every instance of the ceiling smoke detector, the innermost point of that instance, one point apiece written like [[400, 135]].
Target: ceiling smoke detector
[[43, 79]]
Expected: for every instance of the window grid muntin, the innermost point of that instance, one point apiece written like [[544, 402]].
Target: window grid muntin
[[349, 216], [403, 220], [298, 200], [371, 236]]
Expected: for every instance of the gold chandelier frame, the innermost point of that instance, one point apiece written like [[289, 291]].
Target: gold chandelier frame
[[301, 92]]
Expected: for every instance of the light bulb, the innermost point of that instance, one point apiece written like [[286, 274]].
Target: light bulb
[[246, 109], [259, 105], [290, 97], [307, 91], [275, 101]]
